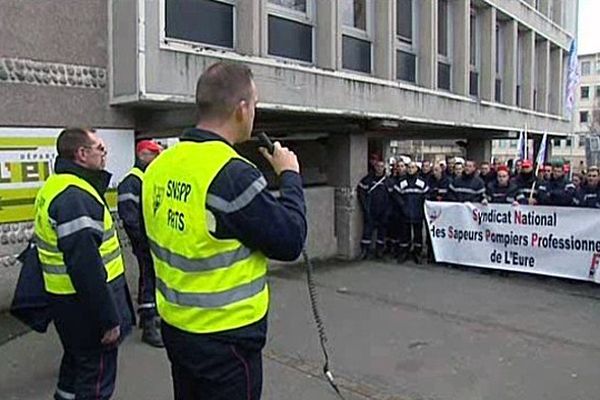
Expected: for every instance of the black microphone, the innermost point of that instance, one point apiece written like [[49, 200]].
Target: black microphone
[[265, 142]]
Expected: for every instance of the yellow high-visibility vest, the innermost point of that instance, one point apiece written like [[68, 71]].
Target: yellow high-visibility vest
[[56, 278], [203, 284]]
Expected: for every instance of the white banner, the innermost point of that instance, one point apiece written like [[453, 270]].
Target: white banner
[[556, 241]]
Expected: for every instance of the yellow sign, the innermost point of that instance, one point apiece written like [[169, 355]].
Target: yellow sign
[[26, 162]]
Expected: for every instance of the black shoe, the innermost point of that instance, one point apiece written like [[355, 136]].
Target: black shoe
[[151, 332], [402, 257], [416, 257]]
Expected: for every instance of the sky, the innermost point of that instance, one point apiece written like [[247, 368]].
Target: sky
[[589, 26]]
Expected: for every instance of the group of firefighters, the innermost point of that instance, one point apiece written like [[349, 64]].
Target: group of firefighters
[[393, 202]]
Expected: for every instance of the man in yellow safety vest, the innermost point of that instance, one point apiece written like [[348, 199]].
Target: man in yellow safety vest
[[211, 225], [82, 267]]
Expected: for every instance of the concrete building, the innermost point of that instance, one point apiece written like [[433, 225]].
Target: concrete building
[[585, 119], [335, 77]]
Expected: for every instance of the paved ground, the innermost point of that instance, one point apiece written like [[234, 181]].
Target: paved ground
[[396, 332]]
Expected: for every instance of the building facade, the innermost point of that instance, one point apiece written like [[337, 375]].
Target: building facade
[[334, 76]]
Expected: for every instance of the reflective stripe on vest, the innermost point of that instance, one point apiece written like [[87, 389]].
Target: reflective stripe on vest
[[47, 234], [135, 171], [203, 284]]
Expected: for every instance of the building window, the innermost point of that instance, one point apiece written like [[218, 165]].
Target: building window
[[498, 91], [200, 21], [569, 142], [473, 55], [499, 64], [354, 14], [585, 92], [406, 66], [584, 116], [518, 95], [556, 142], [404, 20], [356, 54], [406, 40], [586, 68], [473, 83], [290, 26], [597, 91], [443, 28], [293, 5], [473, 38], [356, 38], [444, 76]]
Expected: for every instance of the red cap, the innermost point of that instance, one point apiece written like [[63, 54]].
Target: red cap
[[527, 164], [149, 145], [502, 168]]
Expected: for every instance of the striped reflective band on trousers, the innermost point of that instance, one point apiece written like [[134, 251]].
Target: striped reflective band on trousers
[[61, 269], [212, 300], [218, 261]]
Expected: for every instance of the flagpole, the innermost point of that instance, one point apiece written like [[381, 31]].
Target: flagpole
[[540, 157]]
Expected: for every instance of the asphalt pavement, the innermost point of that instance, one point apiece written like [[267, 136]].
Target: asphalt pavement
[[409, 331]]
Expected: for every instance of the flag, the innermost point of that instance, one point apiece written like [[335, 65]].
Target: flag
[[541, 155], [573, 76], [522, 146]]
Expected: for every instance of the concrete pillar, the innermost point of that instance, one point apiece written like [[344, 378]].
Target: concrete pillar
[[264, 28], [488, 54], [528, 45], [348, 165], [510, 34], [248, 32], [428, 44], [328, 41], [461, 12], [556, 86], [384, 40], [542, 74], [479, 149]]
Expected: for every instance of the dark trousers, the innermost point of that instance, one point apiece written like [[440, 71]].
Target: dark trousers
[[146, 282], [371, 225], [411, 232], [87, 376], [213, 370]]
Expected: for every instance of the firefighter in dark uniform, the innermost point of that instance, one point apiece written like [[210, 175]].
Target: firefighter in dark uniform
[[486, 173], [410, 193], [527, 184], [558, 191], [588, 195], [374, 200], [82, 267], [501, 191], [395, 216], [129, 191], [438, 184], [438, 191], [467, 187], [212, 224]]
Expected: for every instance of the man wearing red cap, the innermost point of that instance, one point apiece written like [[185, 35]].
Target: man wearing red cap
[[527, 184], [129, 191], [501, 190]]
